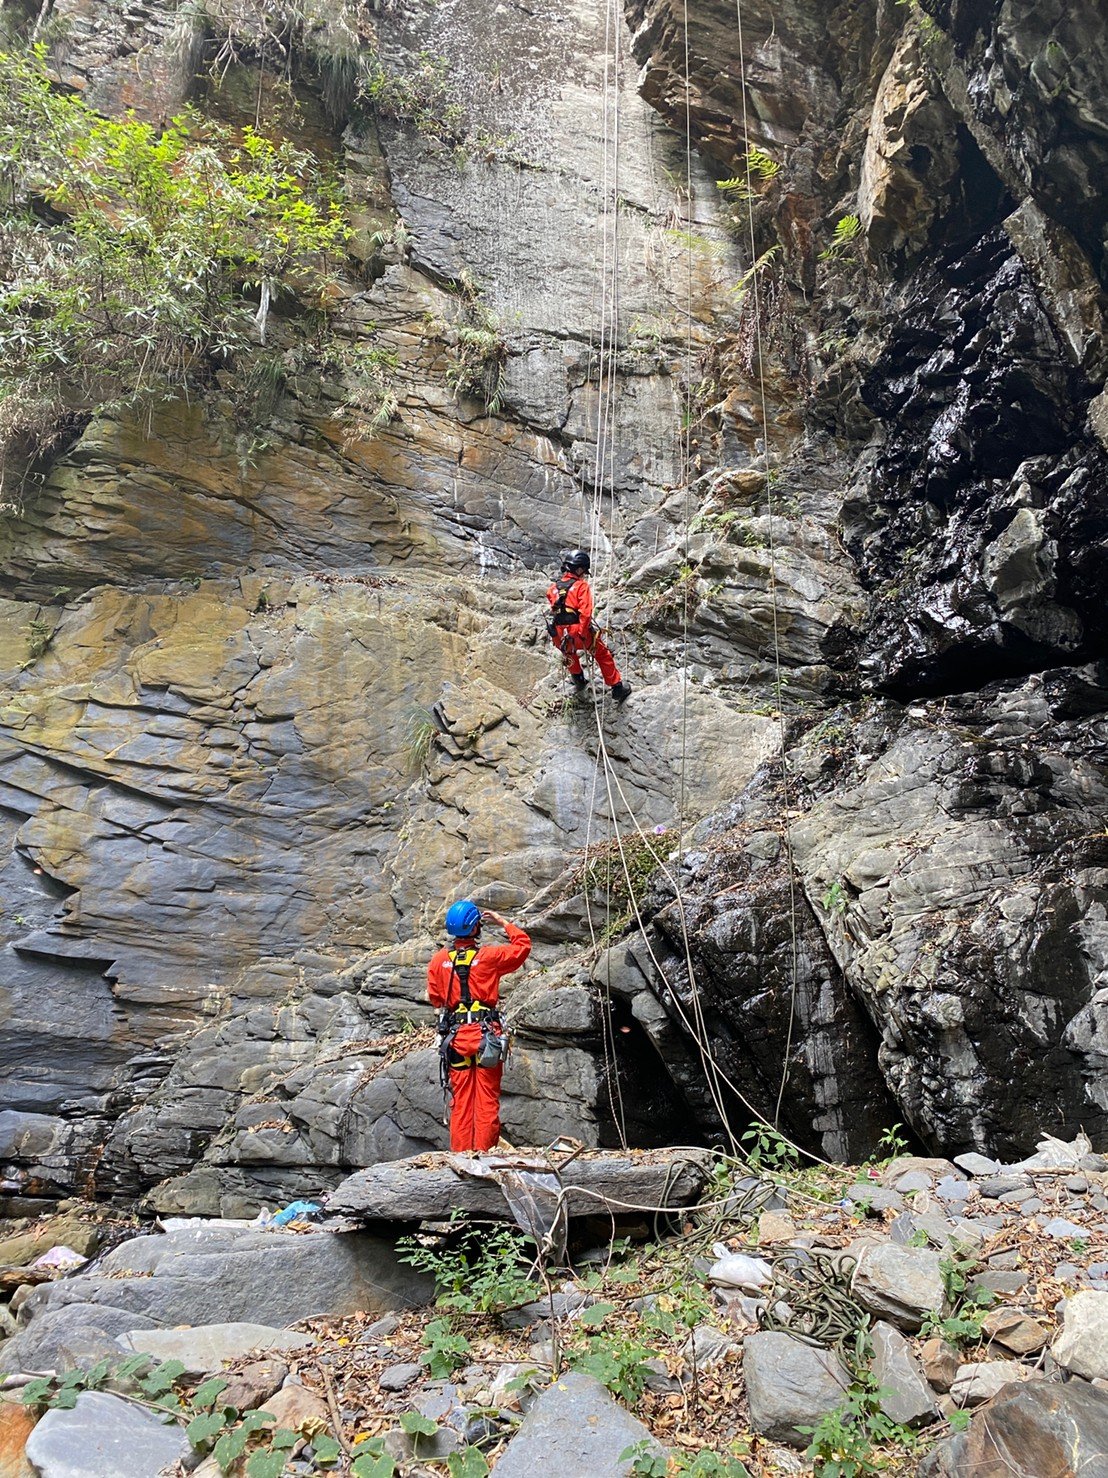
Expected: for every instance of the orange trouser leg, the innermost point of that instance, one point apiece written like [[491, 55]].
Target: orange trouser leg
[[475, 1109], [606, 662], [571, 654], [463, 1090], [487, 1106], [599, 649]]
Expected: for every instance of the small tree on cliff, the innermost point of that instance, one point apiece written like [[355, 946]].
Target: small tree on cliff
[[137, 262]]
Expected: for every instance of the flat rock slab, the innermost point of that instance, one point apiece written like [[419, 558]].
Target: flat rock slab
[[209, 1346], [979, 1381], [1040, 1427], [790, 1385], [211, 1275], [104, 1437], [595, 1183], [575, 1427]]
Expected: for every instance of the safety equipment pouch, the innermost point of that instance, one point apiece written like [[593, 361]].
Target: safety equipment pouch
[[493, 1049]]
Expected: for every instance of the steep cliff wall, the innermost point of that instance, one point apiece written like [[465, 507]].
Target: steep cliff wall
[[275, 710], [949, 361]]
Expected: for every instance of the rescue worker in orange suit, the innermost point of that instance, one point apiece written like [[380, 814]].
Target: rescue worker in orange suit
[[463, 981], [571, 625]]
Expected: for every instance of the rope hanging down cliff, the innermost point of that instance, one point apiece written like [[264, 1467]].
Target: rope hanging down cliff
[[606, 440]]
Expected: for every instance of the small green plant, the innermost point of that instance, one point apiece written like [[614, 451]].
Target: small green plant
[[754, 274], [445, 1349], [469, 1463], [478, 352], [372, 1461], [419, 736], [695, 241], [891, 1145], [482, 1272], [768, 1149], [968, 1306], [856, 1437], [367, 373], [842, 238], [761, 169], [420, 97], [648, 1462], [39, 636], [834, 899], [618, 873], [618, 1361]]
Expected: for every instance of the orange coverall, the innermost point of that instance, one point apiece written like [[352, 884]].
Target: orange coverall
[[571, 641], [475, 1091]]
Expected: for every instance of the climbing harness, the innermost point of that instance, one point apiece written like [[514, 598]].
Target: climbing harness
[[560, 613], [495, 1045]]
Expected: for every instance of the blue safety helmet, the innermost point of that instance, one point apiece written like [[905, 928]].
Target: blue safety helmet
[[463, 919]]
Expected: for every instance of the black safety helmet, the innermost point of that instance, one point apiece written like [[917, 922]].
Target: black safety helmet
[[576, 559]]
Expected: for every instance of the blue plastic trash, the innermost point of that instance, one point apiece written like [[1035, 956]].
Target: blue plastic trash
[[294, 1212]]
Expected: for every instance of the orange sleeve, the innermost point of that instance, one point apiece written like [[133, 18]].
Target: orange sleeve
[[504, 958], [435, 992]]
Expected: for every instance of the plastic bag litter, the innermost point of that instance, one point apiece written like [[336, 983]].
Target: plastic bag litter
[[738, 1270], [294, 1211], [534, 1195], [1056, 1154], [199, 1223], [60, 1257]]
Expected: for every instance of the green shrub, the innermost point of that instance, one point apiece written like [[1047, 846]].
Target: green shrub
[[136, 261]]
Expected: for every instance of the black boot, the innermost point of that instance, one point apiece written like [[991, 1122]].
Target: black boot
[[620, 691], [579, 681]]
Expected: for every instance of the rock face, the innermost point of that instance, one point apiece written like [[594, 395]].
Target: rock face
[[272, 715]]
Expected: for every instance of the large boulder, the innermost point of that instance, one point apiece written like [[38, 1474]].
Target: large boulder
[[69, 1336], [104, 1437], [574, 1427], [1038, 1427], [900, 1284], [790, 1385], [1082, 1346], [594, 1183], [207, 1275]]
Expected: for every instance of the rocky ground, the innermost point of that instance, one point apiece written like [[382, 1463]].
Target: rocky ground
[[912, 1315]]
